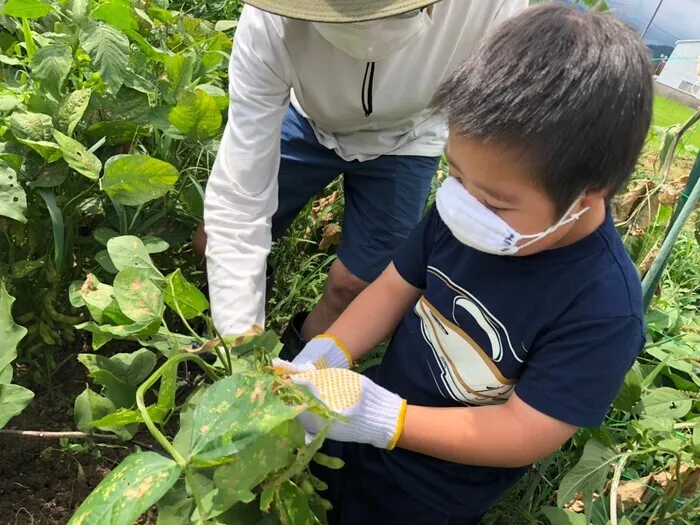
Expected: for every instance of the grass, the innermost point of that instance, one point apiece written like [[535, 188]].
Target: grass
[[667, 113]]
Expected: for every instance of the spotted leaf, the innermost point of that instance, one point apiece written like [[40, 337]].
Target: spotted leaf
[[128, 491], [232, 414], [137, 296]]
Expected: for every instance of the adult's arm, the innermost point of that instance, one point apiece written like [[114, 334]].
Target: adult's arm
[[241, 194]]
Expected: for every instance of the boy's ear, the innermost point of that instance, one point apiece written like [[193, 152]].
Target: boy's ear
[[592, 197]]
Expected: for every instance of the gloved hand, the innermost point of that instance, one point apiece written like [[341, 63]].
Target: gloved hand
[[323, 351], [374, 415]]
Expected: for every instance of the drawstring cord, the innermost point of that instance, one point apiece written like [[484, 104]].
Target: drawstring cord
[[367, 88]]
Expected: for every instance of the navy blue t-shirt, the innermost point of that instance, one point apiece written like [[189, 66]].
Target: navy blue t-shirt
[[561, 328]]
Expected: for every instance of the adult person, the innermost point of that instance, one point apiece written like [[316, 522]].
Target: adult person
[[320, 88]]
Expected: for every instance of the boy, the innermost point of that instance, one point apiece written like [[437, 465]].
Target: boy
[[514, 307]]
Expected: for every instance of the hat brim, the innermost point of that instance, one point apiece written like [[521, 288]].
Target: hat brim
[[338, 11]]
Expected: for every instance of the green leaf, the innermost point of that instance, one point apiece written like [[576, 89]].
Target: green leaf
[[78, 9], [293, 505], [232, 413], [168, 388], [138, 297], [121, 374], [9, 61], [49, 151], [657, 424], [664, 402], [225, 25], [116, 133], [182, 294], [26, 8], [167, 343], [139, 83], [696, 441], [176, 507], [558, 516], [96, 296], [132, 180], [631, 390], [46, 175], [11, 155], [196, 115], [31, 126], [72, 109], [587, 476], [102, 334], [124, 417], [128, 491], [90, 406], [180, 69], [103, 235], [13, 200], [109, 49], [151, 52], [219, 95], [74, 294], [10, 332], [158, 118], [118, 13], [56, 215], [78, 157], [247, 469], [29, 44], [9, 101], [13, 399], [22, 269], [128, 251], [127, 105], [51, 65], [103, 259], [154, 244]]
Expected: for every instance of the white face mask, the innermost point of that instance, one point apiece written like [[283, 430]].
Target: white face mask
[[376, 39], [475, 225]]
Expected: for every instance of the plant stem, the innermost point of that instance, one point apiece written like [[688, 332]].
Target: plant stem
[[157, 434], [682, 513], [676, 489], [195, 495], [55, 435], [614, 486], [227, 351]]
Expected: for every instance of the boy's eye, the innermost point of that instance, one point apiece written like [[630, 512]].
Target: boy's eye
[[494, 208]]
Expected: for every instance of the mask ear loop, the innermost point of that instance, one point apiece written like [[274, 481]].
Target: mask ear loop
[[561, 222]]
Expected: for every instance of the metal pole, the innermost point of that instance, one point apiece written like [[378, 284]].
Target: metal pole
[[658, 6], [686, 205]]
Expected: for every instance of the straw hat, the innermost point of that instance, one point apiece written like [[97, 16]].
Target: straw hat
[[338, 10]]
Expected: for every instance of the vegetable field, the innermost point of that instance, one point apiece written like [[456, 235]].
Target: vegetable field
[[119, 402]]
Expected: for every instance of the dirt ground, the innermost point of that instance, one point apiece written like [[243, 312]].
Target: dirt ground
[[42, 483]]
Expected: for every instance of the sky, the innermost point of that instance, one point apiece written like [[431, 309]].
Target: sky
[[676, 20]]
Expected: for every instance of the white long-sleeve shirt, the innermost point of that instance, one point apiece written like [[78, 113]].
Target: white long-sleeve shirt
[[276, 60]]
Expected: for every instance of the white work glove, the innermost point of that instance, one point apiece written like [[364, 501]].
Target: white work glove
[[374, 415], [323, 351]]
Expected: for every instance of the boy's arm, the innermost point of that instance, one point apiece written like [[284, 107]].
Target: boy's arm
[[375, 313], [509, 435], [569, 381]]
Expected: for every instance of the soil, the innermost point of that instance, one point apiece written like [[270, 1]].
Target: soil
[[41, 482]]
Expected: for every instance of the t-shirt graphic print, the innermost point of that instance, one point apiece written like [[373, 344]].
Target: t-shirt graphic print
[[464, 366]]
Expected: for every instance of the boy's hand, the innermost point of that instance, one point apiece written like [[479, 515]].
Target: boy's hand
[[323, 351], [374, 415]]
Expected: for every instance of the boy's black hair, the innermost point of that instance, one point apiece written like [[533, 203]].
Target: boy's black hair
[[569, 89]]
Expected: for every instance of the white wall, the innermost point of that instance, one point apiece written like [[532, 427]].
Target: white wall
[[682, 66]]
